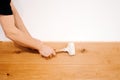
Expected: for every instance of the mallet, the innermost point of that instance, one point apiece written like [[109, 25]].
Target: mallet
[[70, 49]]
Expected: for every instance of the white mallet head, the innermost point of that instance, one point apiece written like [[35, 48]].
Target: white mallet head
[[70, 48]]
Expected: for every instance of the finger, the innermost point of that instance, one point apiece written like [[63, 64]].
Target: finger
[[50, 56], [54, 53], [45, 56]]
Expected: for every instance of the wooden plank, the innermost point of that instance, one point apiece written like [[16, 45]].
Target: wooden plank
[[59, 72], [25, 58], [90, 47], [94, 53]]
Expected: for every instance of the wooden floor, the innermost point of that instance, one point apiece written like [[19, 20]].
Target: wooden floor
[[93, 61]]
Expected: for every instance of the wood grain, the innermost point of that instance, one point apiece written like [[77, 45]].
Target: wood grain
[[93, 61]]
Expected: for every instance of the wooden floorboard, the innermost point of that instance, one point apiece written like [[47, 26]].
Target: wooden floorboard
[[93, 61]]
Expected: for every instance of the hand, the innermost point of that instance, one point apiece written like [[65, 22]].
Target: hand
[[47, 51]]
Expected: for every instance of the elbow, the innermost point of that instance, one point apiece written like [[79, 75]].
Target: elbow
[[11, 34]]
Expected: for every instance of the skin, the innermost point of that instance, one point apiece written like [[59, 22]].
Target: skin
[[15, 30]]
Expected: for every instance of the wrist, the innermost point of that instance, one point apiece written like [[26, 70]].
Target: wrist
[[39, 44]]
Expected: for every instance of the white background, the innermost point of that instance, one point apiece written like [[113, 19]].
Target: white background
[[70, 20]]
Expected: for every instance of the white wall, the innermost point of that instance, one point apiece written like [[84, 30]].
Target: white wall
[[71, 20]]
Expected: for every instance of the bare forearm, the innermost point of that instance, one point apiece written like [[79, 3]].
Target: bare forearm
[[18, 21], [24, 40]]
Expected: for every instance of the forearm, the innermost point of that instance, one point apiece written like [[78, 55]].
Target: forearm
[[18, 21], [24, 40]]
